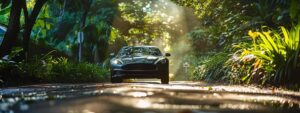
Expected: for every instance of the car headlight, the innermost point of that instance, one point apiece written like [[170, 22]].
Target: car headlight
[[116, 61], [163, 61]]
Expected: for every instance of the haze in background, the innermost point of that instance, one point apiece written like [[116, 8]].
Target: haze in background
[[161, 23]]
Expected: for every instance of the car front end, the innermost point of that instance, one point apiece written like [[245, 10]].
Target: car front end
[[143, 69], [138, 66]]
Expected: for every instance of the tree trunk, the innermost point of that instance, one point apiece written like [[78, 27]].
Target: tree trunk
[[86, 7], [13, 29], [29, 23]]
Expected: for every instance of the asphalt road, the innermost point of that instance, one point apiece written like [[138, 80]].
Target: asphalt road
[[147, 97]]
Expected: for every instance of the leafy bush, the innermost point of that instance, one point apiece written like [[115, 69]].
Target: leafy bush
[[272, 57], [246, 68], [278, 53], [47, 69], [211, 67]]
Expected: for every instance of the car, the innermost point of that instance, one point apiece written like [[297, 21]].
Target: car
[[139, 62]]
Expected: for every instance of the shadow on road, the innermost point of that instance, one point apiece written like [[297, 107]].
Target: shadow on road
[[147, 96]]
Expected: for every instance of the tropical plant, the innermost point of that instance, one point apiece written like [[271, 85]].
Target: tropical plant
[[211, 67], [4, 14], [278, 52]]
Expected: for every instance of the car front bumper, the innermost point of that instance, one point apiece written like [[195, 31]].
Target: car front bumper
[[138, 71]]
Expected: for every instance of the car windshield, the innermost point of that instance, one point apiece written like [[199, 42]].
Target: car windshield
[[139, 51]]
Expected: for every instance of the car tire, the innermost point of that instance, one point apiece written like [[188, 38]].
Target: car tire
[[116, 80], [165, 74], [165, 79]]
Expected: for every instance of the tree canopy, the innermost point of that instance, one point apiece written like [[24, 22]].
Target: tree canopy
[[240, 41]]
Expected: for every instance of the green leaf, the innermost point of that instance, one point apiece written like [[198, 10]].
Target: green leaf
[[266, 43], [5, 11], [271, 41], [48, 26], [261, 55], [4, 3], [245, 78], [15, 51], [294, 9], [297, 32]]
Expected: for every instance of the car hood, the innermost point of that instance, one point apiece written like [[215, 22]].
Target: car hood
[[140, 59]]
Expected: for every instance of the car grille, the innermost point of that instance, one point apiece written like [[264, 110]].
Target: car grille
[[139, 67]]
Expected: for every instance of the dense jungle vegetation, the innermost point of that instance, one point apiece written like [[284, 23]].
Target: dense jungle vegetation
[[230, 41]]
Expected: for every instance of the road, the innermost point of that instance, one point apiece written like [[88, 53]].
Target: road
[[147, 97]]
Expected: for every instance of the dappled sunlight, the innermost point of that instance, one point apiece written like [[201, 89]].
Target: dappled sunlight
[[87, 111], [143, 104], [149, 56], [171, 75], [241, 106], [161, 23], [139, 94], [179, 95]]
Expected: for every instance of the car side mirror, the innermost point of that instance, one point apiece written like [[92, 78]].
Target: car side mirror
[[112, 54], [167, 54]]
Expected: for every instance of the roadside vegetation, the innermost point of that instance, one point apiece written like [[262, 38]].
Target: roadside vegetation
[[229, 41], [50, 69], [250, 42]]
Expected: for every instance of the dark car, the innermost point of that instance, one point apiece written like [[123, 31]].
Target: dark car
[[139, 62]]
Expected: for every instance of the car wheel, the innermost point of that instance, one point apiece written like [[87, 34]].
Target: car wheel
[[116, 80], [165, 75], [165, 79]]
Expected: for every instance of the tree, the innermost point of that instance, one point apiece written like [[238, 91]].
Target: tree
[[30, 20], [61, 20], [13, 31], [145, 22]]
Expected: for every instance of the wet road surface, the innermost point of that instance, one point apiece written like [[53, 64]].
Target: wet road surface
[[147, 97]]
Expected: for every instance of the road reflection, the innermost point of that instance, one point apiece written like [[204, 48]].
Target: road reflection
[[149, 96]]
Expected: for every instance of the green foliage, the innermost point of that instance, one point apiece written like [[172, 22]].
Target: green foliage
[[4, 15], [4, 11], [271, 58], [222, 52], [47, 69], [60, 70], [202, 39], [245, 68], [60, 21], [294, 9], [15, 52], [5, 3], [280, 50], [211, 67], [145, 22], [275, 13], [223, 23]]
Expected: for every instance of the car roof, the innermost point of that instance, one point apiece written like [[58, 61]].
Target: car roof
[[141, 46]]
